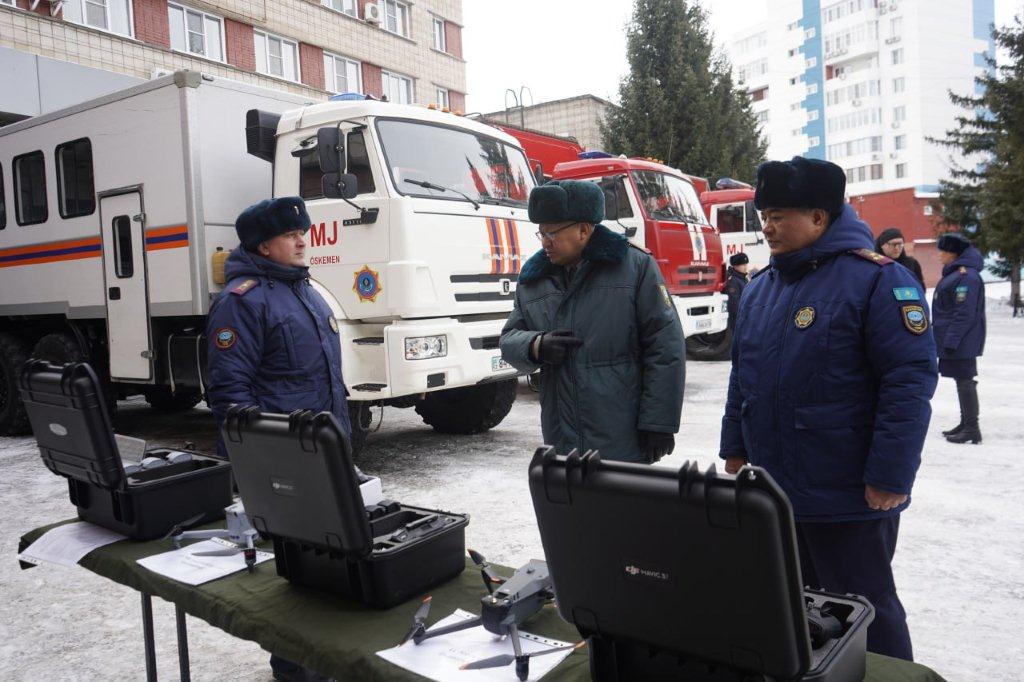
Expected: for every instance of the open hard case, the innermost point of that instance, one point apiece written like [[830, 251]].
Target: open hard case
[[300, 489], [677, 574], [69, 418]]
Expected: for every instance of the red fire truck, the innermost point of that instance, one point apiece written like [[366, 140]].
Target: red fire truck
[[657, 208]]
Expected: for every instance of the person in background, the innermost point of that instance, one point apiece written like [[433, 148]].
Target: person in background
[[833, 370], [593, 315], [958, 310], [735, 280], [891, 244]]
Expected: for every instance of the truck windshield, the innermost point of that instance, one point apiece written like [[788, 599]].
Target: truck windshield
[[481, 167], [666, 197]]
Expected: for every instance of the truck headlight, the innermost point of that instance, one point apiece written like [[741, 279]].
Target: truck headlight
[[424, 347]]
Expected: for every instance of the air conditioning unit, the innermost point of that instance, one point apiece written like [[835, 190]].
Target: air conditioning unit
[[883, 9], [890, 41], [842, 75], [372, 13], [895, 124], [893, 155], [855, 102], [876, 157]]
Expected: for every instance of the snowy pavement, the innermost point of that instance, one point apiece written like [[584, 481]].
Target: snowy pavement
[[959, 565]]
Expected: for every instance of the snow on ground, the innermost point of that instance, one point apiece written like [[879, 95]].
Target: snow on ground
[[959, 565]]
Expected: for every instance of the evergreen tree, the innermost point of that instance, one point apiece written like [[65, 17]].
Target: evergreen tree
[[678, 102], [982, 195]]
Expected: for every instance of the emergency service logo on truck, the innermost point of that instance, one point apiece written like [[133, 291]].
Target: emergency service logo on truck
[[367, 285]]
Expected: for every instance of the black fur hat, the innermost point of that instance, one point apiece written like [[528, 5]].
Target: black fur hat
[[800, 183], [270, 218], [559, 201], [739, 259], [953, 242]]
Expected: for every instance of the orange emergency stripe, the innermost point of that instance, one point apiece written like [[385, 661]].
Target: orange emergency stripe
[[157, 239], [505, 252]]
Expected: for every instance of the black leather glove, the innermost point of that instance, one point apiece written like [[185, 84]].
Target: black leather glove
[[655, 445], [555, 346]]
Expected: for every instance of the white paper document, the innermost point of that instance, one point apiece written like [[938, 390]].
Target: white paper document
[[67, 544], [441, 658], [184, 566]]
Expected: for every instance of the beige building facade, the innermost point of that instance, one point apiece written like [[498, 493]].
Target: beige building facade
[[578, 117], [408, 52]]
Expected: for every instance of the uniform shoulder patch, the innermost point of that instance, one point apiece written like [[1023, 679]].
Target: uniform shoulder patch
[[245, 286], [876, 258], [914, 318], [640, 248], [225, 337], [906, 294]]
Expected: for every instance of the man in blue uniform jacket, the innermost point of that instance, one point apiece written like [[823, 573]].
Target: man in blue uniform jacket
[[833, 368], [273, 340]]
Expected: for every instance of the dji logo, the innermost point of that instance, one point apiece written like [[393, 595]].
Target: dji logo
[[637, 572]]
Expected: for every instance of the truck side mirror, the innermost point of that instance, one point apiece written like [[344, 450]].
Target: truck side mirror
[[340, 185], [330, 148], [611, 204]]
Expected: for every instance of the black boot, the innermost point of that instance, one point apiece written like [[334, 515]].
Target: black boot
[[960, 390], [970, 433]]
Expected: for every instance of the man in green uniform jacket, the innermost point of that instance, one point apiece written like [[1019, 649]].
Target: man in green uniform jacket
[[592, 313]]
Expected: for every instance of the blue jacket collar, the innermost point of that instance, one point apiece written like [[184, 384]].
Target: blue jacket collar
[[970, 258], [604, 245], [846, 233], [242, 263]]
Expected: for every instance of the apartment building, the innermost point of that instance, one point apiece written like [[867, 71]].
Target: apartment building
[[59, 52], [864, 83], [578, 117]]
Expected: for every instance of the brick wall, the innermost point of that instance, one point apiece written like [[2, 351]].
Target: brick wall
[[241, 50], [311, 61], [903, 209], [456, 101], [151, 24], [453, 39], [372, 84]]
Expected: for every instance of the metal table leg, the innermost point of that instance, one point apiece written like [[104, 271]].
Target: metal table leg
[[147, 635], [183, 666]]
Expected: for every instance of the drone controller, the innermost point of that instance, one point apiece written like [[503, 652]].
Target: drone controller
[[156, 461]]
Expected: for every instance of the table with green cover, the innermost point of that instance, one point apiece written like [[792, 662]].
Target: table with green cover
[[335, 636]]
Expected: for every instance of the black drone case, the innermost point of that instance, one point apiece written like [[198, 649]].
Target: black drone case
[[683, 575], [300, 489], [69, 418]]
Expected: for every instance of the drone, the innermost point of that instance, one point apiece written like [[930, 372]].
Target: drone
[[502, 610], [239, 531]]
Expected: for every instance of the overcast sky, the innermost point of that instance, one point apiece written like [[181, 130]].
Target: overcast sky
[[561, 48]]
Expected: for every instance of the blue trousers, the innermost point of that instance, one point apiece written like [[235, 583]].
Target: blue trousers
[[856, 557]]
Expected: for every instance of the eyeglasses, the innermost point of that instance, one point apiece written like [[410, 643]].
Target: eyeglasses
[[550, 236]]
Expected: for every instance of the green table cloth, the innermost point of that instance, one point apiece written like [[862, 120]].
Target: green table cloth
[[335, 636]]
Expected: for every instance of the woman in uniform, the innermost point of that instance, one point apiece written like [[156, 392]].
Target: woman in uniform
[[958, 309]]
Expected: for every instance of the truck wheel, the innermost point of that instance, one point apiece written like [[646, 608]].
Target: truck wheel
[[60, 348], [709, 346], [161, 399], [13, 354], [472, 409], [360, 418]]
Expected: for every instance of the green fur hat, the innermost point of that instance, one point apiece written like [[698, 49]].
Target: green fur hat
[[560, 201]]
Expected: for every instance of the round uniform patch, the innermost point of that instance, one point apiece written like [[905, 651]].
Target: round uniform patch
[[225, 337], [333, 323], [804, 318], [367, 285], [914, 319]]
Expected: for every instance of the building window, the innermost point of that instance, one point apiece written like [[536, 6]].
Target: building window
[[397, 88], [813, 141], [341, 74], [862, 173], [899, 85], [107, 15], [396, 17], [761, 116], [9, 3], [276, 56], [812, 115], [863, 145], [441, 95], [196, 32], [812, 88], [759, 94], [343, 6], [30, 188], [897, 56], [901, 170], [124, 256], [899, 113], [809, 34], [437, 25], [895, 27], [75, 193], [900, 142], [811, 62]]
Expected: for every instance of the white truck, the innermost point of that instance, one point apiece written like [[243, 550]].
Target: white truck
[[116, 216]]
